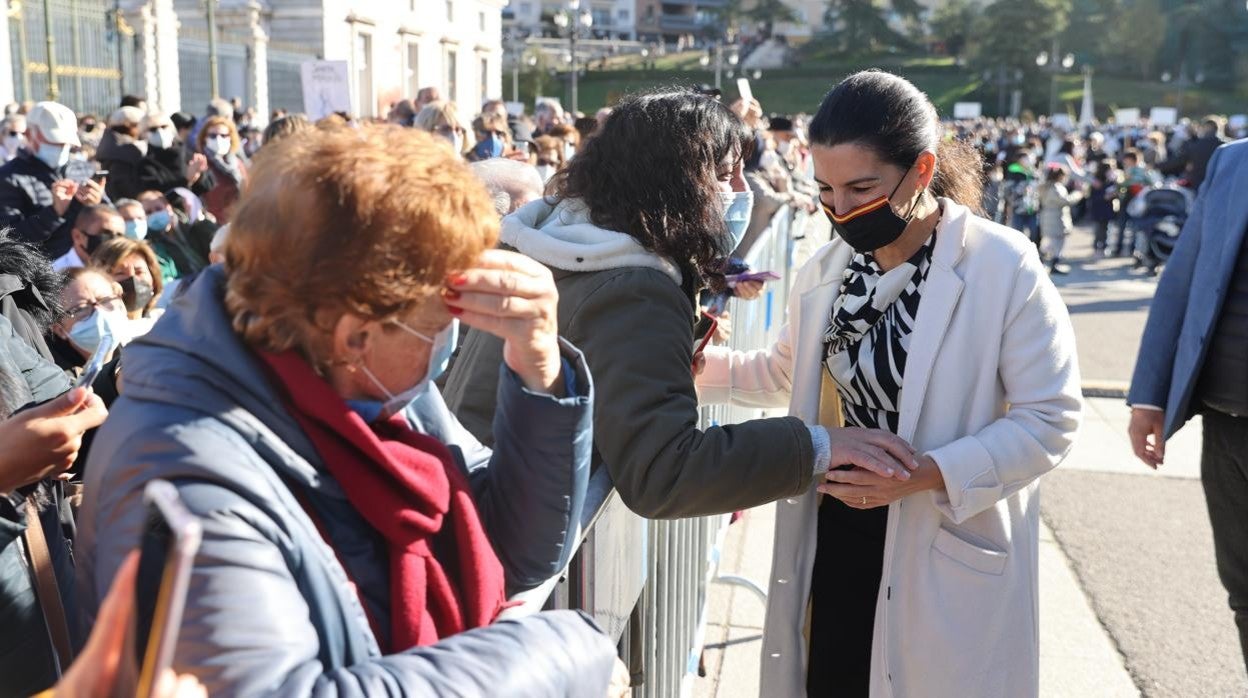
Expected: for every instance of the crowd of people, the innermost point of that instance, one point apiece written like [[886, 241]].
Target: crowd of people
[[379, 361], [1043, 177]]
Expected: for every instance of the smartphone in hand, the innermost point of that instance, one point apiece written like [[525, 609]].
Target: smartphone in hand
[[96, 363], [171, 537]]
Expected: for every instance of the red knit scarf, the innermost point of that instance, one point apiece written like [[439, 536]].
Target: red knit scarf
[[408, 488]]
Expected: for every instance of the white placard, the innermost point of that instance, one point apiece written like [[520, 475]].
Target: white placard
[[326, 88], [967, 110], [1163, 116], [1127, 117], [743, 89]]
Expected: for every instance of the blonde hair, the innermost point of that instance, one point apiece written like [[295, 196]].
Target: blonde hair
[[212, 122], [437, 114], [368, 221]]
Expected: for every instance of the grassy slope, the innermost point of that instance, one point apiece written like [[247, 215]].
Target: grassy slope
[[794, 90]]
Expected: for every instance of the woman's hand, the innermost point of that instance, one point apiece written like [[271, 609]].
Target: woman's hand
[[195, 167], [723, 329], [621, 680], [748, 290], [513, 297], [94, 673], [863, 489]]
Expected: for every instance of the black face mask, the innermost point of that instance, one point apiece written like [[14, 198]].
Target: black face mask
[[93, 243], [136, 293], [872, 225]]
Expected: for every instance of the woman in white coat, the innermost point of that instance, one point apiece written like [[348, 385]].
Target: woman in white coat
[[927, 320]]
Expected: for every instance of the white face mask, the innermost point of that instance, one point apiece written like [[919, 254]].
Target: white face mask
[[545, 172], [218, 145], [738, 206], [52, 155], [162, 138]]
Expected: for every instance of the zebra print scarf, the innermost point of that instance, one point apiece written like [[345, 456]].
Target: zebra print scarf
[[868, 337]]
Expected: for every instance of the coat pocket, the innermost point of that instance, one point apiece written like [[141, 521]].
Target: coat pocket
[[972, 555]]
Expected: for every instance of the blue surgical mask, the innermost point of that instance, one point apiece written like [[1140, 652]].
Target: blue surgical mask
[[439, 358], [87, 333], [491, 147], [52, 155], [158, 221], [738, 205], [136, 229]]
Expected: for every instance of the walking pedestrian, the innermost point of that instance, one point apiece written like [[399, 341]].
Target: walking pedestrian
[[1194, 360], [1102, 197], [1056, 221]]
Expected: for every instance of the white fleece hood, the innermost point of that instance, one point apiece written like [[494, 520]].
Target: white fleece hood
[[563, 237]]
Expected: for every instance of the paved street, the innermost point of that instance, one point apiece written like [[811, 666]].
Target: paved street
[[1130, 601]]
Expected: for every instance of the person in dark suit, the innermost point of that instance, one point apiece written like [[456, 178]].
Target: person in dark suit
[[1193, 158], [1194, 359]]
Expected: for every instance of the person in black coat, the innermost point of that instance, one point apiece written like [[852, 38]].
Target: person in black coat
[[1193, 157], [165, 165], [41, 426], [36, 201], [121, 152]]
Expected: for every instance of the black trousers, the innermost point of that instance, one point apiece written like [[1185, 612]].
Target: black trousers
[[845, 582], [1224, 472]]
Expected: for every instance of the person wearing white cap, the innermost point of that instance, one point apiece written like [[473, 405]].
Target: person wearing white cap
[[121, 152], [36, 201]]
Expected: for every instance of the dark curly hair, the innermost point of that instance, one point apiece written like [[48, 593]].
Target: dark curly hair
[[41, 298], [652, 173]]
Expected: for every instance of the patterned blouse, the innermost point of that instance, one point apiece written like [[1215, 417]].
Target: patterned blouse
[[868, 339]]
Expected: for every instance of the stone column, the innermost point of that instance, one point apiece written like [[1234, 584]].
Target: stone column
[[168, 85], [156, 26], [8, 92], [244, 19]]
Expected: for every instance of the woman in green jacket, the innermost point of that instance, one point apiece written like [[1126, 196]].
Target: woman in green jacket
[[633, 229]]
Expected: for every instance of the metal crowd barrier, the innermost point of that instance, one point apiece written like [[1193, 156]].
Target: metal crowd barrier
[[647, 582]]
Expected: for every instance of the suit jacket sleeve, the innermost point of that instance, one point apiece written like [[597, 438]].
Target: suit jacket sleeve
[[1154, 364], [1040, 374]]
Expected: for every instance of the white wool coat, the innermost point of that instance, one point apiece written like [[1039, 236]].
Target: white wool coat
[[991, 392]]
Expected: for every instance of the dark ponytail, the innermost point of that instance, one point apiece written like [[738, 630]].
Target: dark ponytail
[[888, 114], [960, 174]]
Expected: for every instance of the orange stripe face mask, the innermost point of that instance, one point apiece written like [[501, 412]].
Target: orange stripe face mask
[[872, 225]]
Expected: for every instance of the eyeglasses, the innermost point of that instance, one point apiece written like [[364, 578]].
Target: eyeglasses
[[84, 309]]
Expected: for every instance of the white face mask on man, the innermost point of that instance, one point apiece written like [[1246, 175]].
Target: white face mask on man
[[161, 137]]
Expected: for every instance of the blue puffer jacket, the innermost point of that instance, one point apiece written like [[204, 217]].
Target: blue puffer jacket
[[271, 609]]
